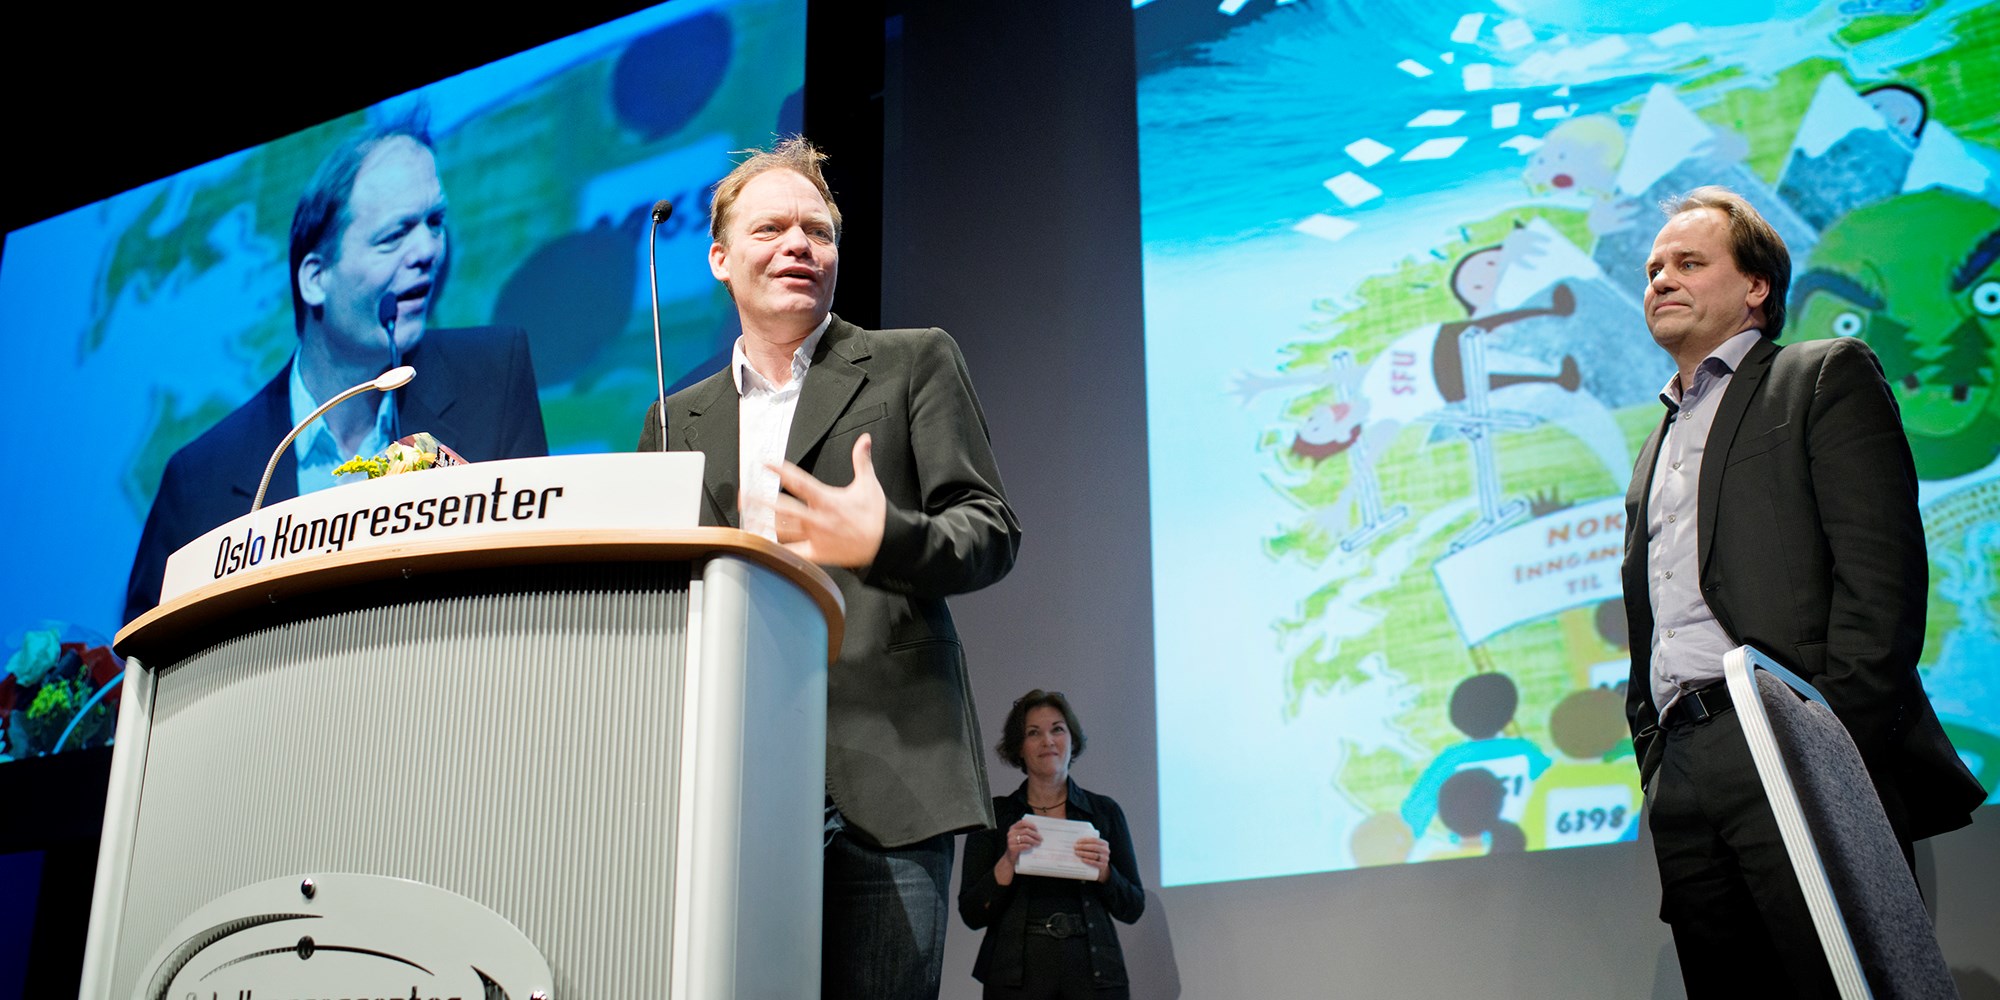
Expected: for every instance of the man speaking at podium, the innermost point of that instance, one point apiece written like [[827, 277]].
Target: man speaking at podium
[[865, 451], [1775, 506], [368, 257]]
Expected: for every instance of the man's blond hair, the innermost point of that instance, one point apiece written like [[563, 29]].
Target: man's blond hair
[[795, 154]]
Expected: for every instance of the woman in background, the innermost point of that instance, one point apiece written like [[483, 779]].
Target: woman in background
[[1049, 937]]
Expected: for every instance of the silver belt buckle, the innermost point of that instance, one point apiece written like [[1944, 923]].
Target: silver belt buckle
[[1702, 713]]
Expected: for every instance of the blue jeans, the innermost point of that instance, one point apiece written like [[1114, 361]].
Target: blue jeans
[[885, 913]]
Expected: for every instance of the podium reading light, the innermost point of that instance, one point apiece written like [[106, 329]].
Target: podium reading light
[[394, 378]]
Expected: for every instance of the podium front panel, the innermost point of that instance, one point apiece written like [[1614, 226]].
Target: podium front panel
[[511, 737]]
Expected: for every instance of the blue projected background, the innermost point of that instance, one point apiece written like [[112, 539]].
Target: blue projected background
[[133, 324], [1397, 374]]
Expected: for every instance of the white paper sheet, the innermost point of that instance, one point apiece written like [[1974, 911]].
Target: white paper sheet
[[1056, 856]]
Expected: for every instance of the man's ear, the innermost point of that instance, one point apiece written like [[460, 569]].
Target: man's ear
[[1760, 289], [312, 276], [717, 255]]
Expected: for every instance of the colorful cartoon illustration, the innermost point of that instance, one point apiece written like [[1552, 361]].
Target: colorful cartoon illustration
[[1482, 706], [1903, 108], [1582, 156], [1460, 377], [1590, 795], [1962, 536], [1472, 804], [1851, 150], [1918, 278], [1609, 622], [1426, 371]]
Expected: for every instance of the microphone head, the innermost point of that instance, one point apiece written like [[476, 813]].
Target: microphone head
[[385, 310], [394, 378], [661, 210]]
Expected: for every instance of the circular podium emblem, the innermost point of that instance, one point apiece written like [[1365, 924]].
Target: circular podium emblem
[[346, 935]]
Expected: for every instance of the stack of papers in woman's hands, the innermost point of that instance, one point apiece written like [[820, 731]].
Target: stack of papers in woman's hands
[[1056, 856]]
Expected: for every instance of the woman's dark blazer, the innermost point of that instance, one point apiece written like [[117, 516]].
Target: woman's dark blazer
[[1003, 910]]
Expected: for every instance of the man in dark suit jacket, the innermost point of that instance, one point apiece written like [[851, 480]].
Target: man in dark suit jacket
[[474, 390], [1775, 506], [368, 253], [887, 480]]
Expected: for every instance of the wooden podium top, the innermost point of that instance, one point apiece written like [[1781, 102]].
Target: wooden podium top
[[165, 627]]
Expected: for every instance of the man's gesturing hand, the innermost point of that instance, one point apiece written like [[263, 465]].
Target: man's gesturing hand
[[834, 525]]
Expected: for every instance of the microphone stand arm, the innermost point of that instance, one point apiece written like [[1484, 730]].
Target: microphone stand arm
[[271, 467]]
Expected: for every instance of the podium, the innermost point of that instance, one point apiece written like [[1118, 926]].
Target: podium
[[573, 758]]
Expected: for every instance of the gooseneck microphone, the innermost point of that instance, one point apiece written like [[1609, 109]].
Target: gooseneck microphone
[[385, 312], [661, 210], [394, 378]]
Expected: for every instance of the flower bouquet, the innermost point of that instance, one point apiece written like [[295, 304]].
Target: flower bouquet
[[414, 453], [59, 692]]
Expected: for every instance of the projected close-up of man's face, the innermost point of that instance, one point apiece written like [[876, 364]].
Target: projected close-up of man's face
[[393, 245]]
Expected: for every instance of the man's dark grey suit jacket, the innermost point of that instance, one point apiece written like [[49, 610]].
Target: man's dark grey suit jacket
[[903, 755], [1812, 550]]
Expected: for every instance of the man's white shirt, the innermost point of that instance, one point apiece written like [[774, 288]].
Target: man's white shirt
[[764, 420]]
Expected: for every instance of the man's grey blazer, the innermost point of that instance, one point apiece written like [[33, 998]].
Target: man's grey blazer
[[903, 756]]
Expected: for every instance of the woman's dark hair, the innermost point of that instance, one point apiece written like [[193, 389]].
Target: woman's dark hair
[[1015, 729]]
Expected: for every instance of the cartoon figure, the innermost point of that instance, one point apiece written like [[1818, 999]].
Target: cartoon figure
[[1337, 428], [1918, 278], [1438, 374], [1471, 804], [1482, 705], [1903, 108], [1584, 798], [1475, 281], [1608, 621], [1470, 377], [1425, 369], [1850, 151], [1581, 156], [1381, 839], [1605, 332], [1459, 363]]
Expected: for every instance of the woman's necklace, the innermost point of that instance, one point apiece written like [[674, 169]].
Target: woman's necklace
[[1050, 807]]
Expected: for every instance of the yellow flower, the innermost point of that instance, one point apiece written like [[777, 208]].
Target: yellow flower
[[373, 466]]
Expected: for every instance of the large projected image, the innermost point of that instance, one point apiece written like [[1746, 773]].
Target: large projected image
[[501, 240], [1397, 374]]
